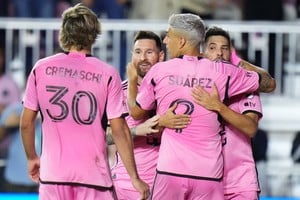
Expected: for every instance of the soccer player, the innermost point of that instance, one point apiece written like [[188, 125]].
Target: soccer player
[[147, 50], [190, 163], [241, 122], [75, 92]]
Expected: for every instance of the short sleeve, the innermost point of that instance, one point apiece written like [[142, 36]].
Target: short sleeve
[[115, 100], [243, 81], [30, 100], [251, 103]]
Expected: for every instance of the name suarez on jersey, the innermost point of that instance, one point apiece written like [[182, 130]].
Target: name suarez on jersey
[[73, 73], [190, 81]]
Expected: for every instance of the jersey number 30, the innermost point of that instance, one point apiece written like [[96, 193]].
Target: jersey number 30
[[57, 99]]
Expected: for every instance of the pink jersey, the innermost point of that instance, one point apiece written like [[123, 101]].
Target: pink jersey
[[195, 151], [145, 153], [239, 166], [74, 93]]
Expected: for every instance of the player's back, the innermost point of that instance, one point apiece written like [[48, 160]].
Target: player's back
[[72, 90], [172, 83]]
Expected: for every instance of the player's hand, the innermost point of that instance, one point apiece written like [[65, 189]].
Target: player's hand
[[131, 71], [142, 188], [148, 127], [174, 121], [34, 169], [210, 101]]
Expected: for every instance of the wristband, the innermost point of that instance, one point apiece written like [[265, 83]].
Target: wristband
[[133, 132], [234, 58]]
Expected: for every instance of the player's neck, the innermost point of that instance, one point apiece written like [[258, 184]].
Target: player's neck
[[84, 51], [139, 80], [191, 51]]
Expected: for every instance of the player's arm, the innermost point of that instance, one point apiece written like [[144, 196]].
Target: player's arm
[[246, 123], [142, 129], [134, 110], [174, 121], [122, 138], [156, 124], [168, 120], [267, 83], [27, 128]]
